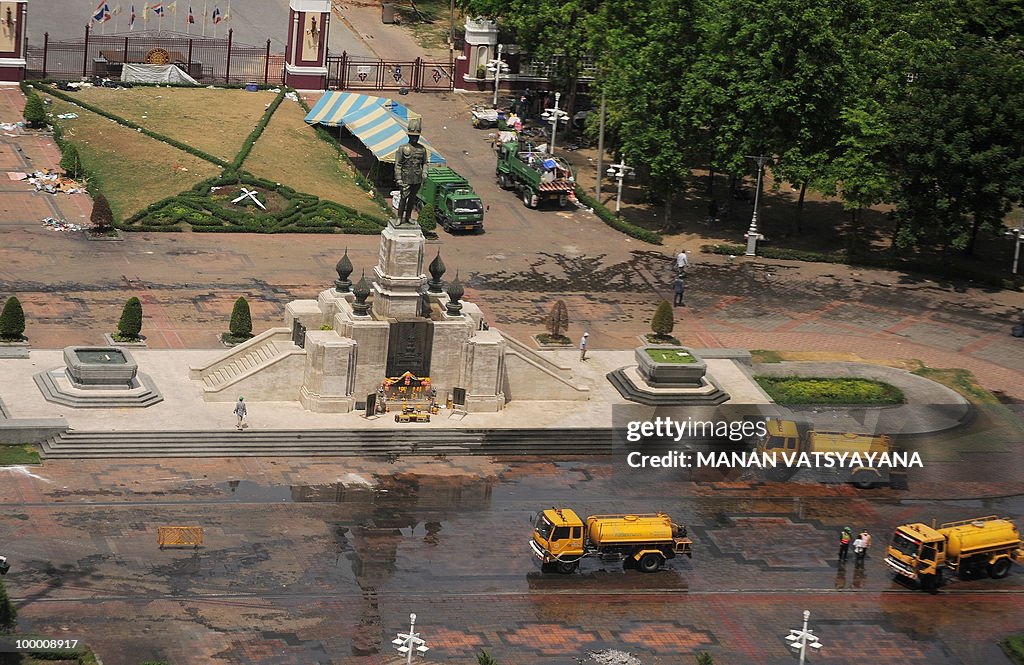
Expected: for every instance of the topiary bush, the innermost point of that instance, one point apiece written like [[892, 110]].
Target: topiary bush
[[241, 320], [663, 321], [35, 113], [102, 217], [427, 218], [130, 325], [8, 613], [558, 319], [71, 162], [12, 321]]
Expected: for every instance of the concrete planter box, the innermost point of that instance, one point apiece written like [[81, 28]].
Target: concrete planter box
[[669, 375], [120, 370]]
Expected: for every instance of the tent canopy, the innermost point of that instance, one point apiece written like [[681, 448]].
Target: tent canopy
[[380, 124]]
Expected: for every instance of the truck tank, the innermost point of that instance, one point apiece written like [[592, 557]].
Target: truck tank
[[966, 538], [841, 442], [626, 529]]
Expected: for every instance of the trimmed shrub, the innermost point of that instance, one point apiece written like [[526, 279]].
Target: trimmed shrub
[[35, 113], [12, 321], [241, 319], [8, 613], [704, 658], [484, 658], [427, 218], [663, 320], [617, 223], [130, 325], [558, 319], [822, 390], [102, 217], [70, 161]]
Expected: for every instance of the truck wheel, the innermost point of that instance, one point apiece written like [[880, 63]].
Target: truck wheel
[[864, 480], [649, 562], [529, 200], [567, 568], [504, 182], [997, 570]]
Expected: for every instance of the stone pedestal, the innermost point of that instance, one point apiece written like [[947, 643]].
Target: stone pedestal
[[483, 372], [399, 280], [329, 379]]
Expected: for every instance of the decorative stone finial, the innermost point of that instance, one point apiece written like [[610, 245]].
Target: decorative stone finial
[[455, 293], [344, 269], [362, 291], [436, 271]]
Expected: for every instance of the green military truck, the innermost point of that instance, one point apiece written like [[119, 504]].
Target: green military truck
[[537, 176], [456, 206]]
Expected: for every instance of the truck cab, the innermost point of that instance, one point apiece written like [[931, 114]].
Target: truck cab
[[558, 539], [460, 209], [917, 552]]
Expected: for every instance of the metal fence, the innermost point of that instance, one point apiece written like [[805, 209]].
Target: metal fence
[[205, 59], [347, 72]]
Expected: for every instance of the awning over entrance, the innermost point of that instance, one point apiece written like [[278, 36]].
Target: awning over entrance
[[379, 123]]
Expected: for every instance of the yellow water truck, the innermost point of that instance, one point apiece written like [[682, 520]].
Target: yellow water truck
[[561, 539], [921, 552], [790, 436]]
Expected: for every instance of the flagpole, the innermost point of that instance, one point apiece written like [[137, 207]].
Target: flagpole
[[205, 7]]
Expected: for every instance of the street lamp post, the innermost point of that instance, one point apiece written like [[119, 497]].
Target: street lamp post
[[497, 66], [554, 116], [801, 639], [753, 235], [1018, 235], [619, 171], [406, 643]]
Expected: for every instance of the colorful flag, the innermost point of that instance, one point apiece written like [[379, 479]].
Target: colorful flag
[[191, 17], [131, 18], [101, 13], [115, 11], [172, 8], [217, 17], [145, 12], [158, 9]]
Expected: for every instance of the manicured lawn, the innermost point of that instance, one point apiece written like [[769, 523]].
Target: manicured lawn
[[215, 121], [24, 454], [817, 390], [290, 152], [671, 356], [133, 170], [1014, 648]]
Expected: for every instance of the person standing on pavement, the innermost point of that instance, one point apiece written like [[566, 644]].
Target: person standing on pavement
[[679, 288], [583, 346], [682, 261], [866, 537], [240, 412], [859, 550], [844, 542]]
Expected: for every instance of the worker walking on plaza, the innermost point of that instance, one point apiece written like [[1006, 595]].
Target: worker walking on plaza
[[679, 288], [682, 262], [583, 346], [844, 542], [241, 413]]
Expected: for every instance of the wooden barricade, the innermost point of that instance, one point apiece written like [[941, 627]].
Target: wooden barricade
[[179, 536]]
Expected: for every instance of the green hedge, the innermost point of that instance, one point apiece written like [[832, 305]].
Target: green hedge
[[254, 135], [878, 260], [1014, 648], [617, 223], [821, 390], [59, 94], [302, 213]]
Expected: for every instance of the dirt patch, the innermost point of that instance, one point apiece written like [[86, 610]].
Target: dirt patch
[[215, 121]]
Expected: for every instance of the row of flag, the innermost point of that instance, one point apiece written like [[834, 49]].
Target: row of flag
[[104, 13]]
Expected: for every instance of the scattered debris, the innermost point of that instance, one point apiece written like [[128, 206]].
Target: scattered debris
[[17, 175], [54, 183], [292, 96], [62, 225], [613, 657], [12, 126], [67, 116]]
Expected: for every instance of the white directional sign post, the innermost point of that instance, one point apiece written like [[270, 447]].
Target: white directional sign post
[[407, 643]]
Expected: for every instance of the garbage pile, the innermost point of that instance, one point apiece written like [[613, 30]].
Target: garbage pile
[[54, 182], [63, 225], [613, 657]]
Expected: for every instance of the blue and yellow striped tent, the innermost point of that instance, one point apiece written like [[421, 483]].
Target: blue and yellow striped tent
[[379, 123]]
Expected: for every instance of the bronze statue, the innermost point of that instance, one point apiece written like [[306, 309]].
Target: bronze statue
[[410, 172]]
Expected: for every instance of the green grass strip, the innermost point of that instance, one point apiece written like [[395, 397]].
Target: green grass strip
[[18, 454], [254, 135]]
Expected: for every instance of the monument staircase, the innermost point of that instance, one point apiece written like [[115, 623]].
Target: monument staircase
[[328, 443], [244, 361]]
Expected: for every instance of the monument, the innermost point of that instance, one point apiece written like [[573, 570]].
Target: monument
[[394, 337]]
